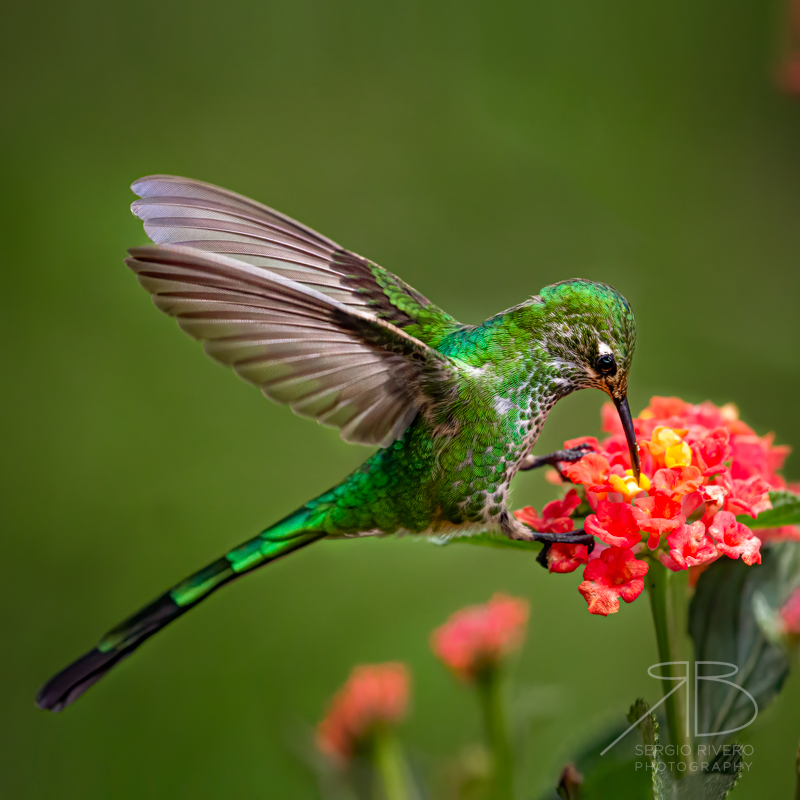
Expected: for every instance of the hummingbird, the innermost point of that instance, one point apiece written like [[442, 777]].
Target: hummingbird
[[454, 410]]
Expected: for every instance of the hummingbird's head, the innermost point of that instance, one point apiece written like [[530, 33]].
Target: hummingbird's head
[[590, 335]]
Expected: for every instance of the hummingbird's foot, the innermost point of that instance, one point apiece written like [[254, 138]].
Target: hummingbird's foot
[[573, 537], [519, 531], [569, 454], [541, 558], [525, 533]]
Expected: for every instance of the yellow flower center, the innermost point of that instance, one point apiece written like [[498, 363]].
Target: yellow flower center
[[644, 481], [679, 455], [627, 486], [676, 452]]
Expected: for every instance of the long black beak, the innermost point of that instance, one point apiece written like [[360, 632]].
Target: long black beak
[[630, 434]]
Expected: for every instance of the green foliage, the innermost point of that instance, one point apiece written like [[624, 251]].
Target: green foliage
[[651, 770], [724, 625], [785, 511], [713, 782], [610, 776], [774, 591], [648, 726]]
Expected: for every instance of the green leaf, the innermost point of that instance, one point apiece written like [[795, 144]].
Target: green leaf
[[714, 782], [489, 540], [772, 594], [647, 724], [724, 625], [785, 511], [630, 770], [612, 776]]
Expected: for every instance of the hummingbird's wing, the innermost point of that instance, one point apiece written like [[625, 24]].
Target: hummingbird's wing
[[337, 363], [195, 214]]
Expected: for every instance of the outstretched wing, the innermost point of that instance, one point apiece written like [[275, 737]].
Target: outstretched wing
[[329, 360], [205, 217]]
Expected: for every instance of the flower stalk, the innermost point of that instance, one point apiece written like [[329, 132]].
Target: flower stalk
[[668, 603], [490, 692], [797, 774], [391, 767], [473, 643]]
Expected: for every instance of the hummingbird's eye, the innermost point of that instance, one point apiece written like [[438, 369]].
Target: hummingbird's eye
[[606, 365]]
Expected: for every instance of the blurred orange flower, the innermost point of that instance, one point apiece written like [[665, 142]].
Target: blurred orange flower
[[789, 71], [476, 638], [374, 695], [790, 613]]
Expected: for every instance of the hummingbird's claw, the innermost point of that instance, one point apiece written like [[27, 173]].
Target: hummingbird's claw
[[569, 454], [573, 537], [541, 558]]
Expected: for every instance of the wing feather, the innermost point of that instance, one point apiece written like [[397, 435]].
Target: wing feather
[[302, 343], [186, 213]]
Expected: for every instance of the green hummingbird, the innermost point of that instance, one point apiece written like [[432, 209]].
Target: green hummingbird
[[454, 409]]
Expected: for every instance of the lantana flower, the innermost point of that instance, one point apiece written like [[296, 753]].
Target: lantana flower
[[689, 546], [616, 524], [702, 467], [561, 557], [475, 639], [616, 573], [555, 515], [592, 470], [750, 496], [374, 696], [627, 486], [712, 450], [735, 539]]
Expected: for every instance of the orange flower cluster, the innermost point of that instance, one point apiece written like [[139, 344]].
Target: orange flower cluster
[[476, 638], [701, 468], [374, 695]]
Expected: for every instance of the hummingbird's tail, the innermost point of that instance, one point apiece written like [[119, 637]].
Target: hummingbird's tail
[[68, 685]]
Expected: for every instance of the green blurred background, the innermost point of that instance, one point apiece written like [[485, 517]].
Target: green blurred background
[[481, 150]]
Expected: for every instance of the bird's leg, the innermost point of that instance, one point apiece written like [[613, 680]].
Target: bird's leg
[[541, 559], [521, 532], [573, 537], [569, 454], [516, 530]]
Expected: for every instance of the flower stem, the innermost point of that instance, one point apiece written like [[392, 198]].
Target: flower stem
[[491, 697], [395, 778], [797, 775], [668, 604]]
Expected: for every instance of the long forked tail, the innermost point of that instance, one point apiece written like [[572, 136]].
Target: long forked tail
[[279, 540]]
